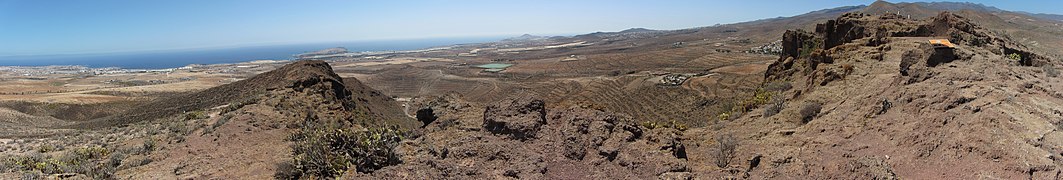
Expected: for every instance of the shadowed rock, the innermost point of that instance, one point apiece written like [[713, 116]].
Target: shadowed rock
[[520, 118]]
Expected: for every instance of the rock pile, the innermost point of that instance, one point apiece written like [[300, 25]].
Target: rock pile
[[521, 138]]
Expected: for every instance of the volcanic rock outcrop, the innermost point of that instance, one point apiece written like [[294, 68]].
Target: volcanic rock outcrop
[[895, 106], [804, 51], [520, 138]]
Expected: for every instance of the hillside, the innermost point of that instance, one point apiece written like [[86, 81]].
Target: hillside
[[237, 130], [861, 96], [1045, 35], [297, 76], [885, 91], [247, 137], [871, 98]]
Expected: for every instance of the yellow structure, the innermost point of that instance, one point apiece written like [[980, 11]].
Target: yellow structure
[[942, 43]]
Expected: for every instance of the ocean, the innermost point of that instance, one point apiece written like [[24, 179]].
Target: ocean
[[179, 58]]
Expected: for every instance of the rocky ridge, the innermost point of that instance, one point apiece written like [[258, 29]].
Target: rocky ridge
[[887, 104]]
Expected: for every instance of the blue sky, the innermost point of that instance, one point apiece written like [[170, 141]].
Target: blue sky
[[83, 26]]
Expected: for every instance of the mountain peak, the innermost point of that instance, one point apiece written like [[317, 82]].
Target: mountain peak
[[301, 77], [634, 30]]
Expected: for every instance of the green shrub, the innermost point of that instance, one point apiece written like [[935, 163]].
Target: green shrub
[[651, 125], [47, 148], [1014, 56], [678, 125], [196, 115], [724, 116], [325, 150], [82, 155], [808, 47], [91, 161], [23, 163], [148, 146], [674, 124], [760, 96]]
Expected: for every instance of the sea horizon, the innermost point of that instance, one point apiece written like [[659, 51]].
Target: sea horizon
[[161, 59]]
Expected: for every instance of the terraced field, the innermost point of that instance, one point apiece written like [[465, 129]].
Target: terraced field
[[614, 81]]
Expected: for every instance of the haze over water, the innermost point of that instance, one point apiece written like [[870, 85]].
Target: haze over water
[[179, 58]]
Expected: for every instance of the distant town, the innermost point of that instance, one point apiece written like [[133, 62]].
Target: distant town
[[33, 71]]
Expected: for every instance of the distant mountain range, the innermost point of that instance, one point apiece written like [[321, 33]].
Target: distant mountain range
[[1056, 17]]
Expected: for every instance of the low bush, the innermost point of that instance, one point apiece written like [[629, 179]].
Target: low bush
[[47, 148], [1050, 71], [809, 111], [196, 115], [724, 150], [651, 125], [285, 170], [674, 124], [326, 150], [1014, 56], [178, 128], [149, 145], [723, 116], [808, 47], [776, 106], [679, 125], [760, 96], [92, 161]]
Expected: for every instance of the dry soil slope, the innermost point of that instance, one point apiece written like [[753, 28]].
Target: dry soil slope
[[249, 140], [894, 107]]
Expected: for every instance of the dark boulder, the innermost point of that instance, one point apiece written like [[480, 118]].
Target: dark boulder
[[520, 118]]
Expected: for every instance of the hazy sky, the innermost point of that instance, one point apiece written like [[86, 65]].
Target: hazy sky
[[86, 26]]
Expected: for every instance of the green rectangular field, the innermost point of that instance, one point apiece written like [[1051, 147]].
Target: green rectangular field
[[495, 66]]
